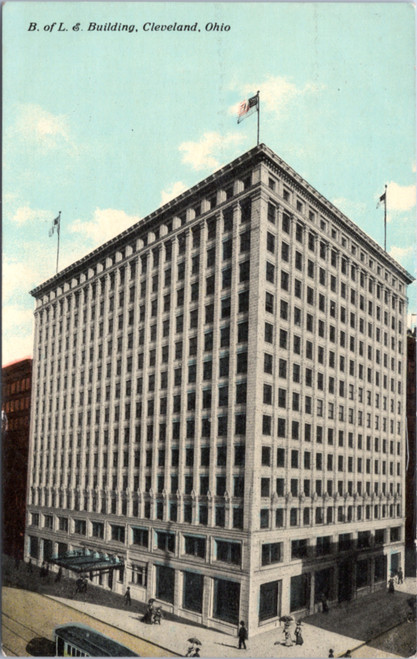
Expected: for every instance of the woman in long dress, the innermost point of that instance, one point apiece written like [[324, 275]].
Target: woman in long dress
[[288, 639], [148, 614], [298, 635]]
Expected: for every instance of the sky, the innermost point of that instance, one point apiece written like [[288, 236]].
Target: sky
[[106, 126]]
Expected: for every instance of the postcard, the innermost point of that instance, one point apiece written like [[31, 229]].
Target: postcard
[[208, 329]]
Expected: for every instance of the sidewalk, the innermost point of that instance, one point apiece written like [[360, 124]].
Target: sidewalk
[[373, 610], [173, 635], [348, 626]]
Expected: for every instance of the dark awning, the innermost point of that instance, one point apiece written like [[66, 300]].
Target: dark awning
[[85, 560]]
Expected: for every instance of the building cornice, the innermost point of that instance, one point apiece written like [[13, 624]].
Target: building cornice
[[176, 206]]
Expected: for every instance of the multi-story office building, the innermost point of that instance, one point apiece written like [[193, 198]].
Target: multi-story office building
[[219, 403], [16, 392]]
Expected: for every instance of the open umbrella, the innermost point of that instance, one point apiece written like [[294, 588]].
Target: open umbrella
[[286, 618], [194, 640]]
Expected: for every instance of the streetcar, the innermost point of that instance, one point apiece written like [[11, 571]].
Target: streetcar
[[78, 640]]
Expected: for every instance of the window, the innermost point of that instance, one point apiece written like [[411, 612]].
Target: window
[[266, 456], [264, 518], [242, 363], [118, 533], [165, 541], [271, 553], [267, 363], [228, 552], [244, 271], [267, 397], [265, 487], [140, 537], [294, 459], [298, 548], [269, 333], [195, 546], [270, 272]]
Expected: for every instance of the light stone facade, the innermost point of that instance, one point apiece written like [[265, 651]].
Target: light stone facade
[[219, 401]]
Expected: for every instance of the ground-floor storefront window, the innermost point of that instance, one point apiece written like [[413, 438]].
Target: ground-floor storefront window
[[33, 546], [380, 568], [300, 592], [323, 584], [193, 591], [269, 600], [395, 561], [48, 549], [345, 581], [62, 548], [165, 581], [362, 573], [226, 600]]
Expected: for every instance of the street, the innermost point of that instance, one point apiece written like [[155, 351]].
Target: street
[[28, 620]]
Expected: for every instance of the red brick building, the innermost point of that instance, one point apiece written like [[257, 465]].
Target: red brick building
[[16, 393], [410, 523]]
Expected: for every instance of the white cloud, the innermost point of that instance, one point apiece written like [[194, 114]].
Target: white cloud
[[17, 333], [400, 197], [25, 214], [19, 276], [173, 191], [210, 151], [16, 318], [349, 207], [106, 223], [401, 254], [33, 124], [276, 93]]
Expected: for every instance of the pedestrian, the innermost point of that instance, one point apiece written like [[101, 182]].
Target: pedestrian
[[391, 585], [331, 653], [79, 585], [16, 563], [128, 599], [196, 652], [148, 617], [400, 575], [242, 635], [324, 603], [288, 640], [157, 616], [190, 651], [298, 635], [59, 575], [347, 653]]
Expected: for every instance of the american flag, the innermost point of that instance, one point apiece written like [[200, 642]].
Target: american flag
[[246, 108], [55, 224]]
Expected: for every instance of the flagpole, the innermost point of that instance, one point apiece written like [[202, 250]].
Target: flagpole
[[258, 108], [59, 231], [385, 219]]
